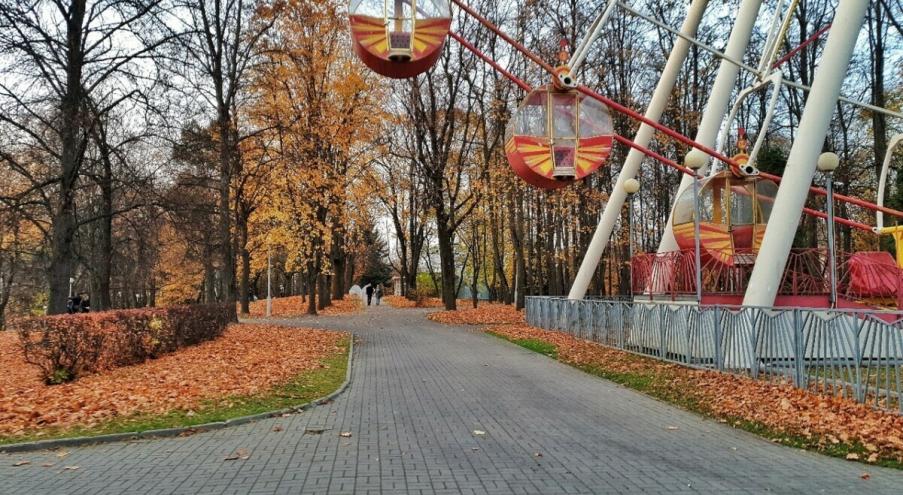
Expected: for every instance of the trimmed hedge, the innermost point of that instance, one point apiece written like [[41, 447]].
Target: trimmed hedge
[[66, 347]]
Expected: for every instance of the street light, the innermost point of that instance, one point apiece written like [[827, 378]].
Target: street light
[[827, 164], [695, 160], [631, 186]]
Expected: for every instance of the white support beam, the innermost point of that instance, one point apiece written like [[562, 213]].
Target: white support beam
[[794, 188], [719, 100], [594, 31], [635, 158]]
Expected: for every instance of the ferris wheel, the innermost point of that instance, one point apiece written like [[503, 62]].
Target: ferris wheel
[[561, 131]]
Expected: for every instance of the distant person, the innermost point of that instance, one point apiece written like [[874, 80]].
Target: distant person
[[85, 306], [378, 293], [74, 304], [369, 290]]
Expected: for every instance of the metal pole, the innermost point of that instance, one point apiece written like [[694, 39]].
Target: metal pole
[[696, 239], [791, 197], [594, 31], [269, 284], [630, 225], [630, 242], [831, 254], [635, 158], [719, 101]]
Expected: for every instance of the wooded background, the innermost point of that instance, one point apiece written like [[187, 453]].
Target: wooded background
[[157, 152]]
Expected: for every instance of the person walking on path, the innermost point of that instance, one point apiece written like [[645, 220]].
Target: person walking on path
[[369, 290], [378, 293]]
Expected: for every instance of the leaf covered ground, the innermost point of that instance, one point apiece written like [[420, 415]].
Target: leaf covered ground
[[484, 314], [403, 302], [777, 410], [284, 307], [247, 360]]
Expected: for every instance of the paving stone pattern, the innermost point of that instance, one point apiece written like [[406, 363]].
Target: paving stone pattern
[[419, 391]]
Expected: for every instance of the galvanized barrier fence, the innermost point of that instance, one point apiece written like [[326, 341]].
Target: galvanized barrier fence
[[851, 353]]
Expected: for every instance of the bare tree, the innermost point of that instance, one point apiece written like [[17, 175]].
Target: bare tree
[[60, 56]]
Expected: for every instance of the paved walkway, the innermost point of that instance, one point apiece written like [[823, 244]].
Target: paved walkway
[[419, 392]]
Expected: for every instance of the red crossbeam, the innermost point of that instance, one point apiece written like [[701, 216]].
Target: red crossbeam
[[628, 142], [659, 127], [802, 45]]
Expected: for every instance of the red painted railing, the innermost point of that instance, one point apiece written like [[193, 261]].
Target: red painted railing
[[864, 277]]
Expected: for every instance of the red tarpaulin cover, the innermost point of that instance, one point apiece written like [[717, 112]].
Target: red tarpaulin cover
[[873, 274]]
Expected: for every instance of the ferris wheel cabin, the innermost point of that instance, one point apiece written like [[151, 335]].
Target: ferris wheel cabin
[[733, 212], [557, 137], [399, 38]]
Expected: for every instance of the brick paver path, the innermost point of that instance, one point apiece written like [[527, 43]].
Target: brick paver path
[[418, 393]]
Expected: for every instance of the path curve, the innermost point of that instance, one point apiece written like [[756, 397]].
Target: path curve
[[419, 390]]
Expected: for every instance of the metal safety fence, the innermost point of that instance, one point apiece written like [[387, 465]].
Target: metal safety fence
[[856, 354]]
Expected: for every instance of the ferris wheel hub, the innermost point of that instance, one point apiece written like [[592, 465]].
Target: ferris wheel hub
[[563, 79]]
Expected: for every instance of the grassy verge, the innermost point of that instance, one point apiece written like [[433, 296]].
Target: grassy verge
[[535, 345], [666, 387], [307, 386]]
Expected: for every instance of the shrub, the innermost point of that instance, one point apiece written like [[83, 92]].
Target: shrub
[[68, 346]]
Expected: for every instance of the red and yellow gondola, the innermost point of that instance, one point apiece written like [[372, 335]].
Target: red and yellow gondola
[[733, 213], [558, 136], [399, 38]]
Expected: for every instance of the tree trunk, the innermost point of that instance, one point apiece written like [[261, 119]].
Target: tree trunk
[[338, 266], [209, 281], [244, 283], [6, 284], [225, 210], [62, 261], [446, 260], [877, 48], [103, 259], [311, 289], [323, 287], [349, 271]]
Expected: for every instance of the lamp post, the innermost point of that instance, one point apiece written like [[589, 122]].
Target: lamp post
[[631, 186], [827, 164], [695, 160]]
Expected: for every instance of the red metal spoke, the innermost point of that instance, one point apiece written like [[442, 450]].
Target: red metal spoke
[[802, 45], [662, 128], [628, 142]]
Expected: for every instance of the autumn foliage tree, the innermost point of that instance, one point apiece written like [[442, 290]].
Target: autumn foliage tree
[[320, 110]]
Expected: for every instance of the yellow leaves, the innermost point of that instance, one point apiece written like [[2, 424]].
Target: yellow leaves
[[182, 275], [319, 115]]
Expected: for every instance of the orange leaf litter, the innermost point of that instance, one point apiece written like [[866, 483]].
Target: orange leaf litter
[[484, 314], [247, 359], [403, 302], [781, 407], [297, 306]]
